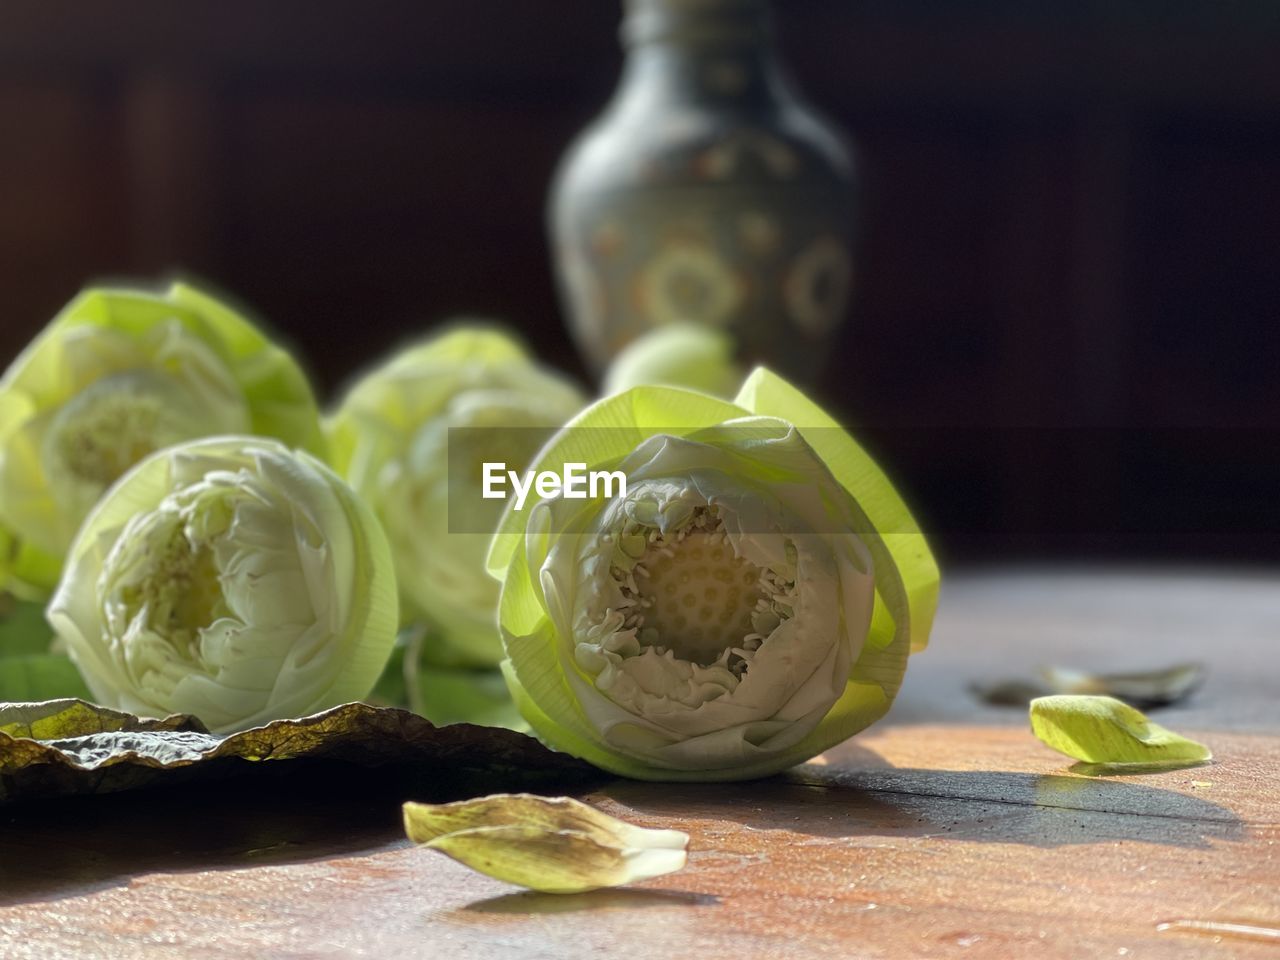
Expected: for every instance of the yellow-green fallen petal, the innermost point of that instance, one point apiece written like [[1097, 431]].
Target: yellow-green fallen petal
[[423, 822], [1104, 730], [560, 861], [551, 844]]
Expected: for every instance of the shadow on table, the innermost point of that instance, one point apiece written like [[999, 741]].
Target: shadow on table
[[306, 811], [1040, 810], [74, 846], [528, 902]]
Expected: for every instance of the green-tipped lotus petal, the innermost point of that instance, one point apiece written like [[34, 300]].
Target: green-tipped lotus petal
[[678, 355], [748, 603], [230, 578], [555, 845], [1106, 731], [118, 374], [391, 437]]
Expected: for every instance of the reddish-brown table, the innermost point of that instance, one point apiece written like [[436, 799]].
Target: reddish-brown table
[[945, 831]]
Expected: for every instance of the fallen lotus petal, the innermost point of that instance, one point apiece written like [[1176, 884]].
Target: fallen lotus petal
[[561, 861], [426, 821], [390, 438], [229, 578], [118, 374], [1148, 688], [554, 845], [750, 600], [1011, 692], [1103, 730]]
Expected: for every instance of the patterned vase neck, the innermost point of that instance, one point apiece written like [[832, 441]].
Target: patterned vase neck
[[706, 192], [701, 23]]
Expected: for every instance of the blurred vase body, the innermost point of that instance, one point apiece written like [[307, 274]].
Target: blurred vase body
[[707, 192]]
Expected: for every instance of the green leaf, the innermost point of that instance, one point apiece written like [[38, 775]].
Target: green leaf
[[554, 845], [1104, 730], [27, 572], [444, 694], [40, 676], [28, 670], [22, 628], [390, 690]]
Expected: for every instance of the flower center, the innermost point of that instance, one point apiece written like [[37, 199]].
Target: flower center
[[105, 431], [697, 596], [691, 595], [178, 593]]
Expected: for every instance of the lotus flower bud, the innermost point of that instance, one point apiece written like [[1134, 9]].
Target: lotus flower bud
[[391, 438], [120, 373], [230, 578], [677, 355], [748, 602]]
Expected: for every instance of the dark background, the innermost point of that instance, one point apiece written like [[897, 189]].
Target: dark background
[[1064, 341]]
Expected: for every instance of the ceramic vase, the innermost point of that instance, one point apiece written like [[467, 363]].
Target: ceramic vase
[[707, 192]]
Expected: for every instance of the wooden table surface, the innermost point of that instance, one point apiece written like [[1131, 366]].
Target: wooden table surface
[[947, 830]]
